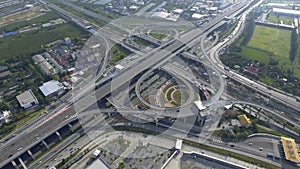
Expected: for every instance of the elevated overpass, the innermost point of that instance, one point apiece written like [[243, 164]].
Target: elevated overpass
[[154, 58]]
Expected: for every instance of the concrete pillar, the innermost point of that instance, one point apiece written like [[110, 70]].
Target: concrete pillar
[[14, 164], [45, 144], [22, 163], [71, 127], [30, 153], [139, 118], [57, 133]]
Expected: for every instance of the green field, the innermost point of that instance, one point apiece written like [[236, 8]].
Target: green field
[[38, 20], [119, 53], [269, 43], [285, 20], [296, 64], [276, 41], [24, 44], [158, 36]]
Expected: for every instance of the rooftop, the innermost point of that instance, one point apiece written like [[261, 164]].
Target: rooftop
[[197, 16], [97, 164], [244, 120], [286, 11], [26, 97], [290, 149], [51, 87], [178, 144], [199, 105]]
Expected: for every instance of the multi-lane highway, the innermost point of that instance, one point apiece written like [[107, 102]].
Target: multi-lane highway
[[153, 58], [213, 58], [157, 57]]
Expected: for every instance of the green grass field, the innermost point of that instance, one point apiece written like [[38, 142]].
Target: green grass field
[[158, 36], [285, 20], [276, 41], [296, 64], [256, 54], [24, 44], [269, 43]]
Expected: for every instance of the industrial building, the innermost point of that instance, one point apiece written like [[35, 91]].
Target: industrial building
[[244, 120], [51, 88], [27, 99], [290, 149], [288, 12]]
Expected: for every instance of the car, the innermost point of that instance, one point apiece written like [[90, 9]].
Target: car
[[250, 144], [261, 149]]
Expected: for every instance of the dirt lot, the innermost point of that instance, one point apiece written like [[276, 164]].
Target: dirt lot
[[22, 15]]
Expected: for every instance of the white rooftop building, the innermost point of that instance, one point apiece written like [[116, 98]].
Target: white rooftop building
[[6, 113], [51, 88], [178, 11], [96, 153], [27, 99], [197, 16], [119, 67], [178, 144], [161, 14], [286, 11], [199, 105]]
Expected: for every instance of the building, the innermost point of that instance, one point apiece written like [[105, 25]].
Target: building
[[68, 41], [44, 64], [290, 149], [253, 70], [4, 116], [288, 12], [96, 153], [197, 16], [244, 120], [51, 88], [203, 114], [6, 113], [99, 163], [5, 74], [178, 145], [27, 99]]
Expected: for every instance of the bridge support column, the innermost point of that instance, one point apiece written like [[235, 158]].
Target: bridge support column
[[139, 118], [22, 163], [57, 133], [45, 144], [14, 164], [184, 119], [156, 121], [71, 127], [31, 155]]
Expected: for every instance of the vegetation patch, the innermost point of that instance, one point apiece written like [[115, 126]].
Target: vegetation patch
[[273, 40], [29, 43], [38, 20], [277, 19], [158, 36], [119, 53], [271, 51]]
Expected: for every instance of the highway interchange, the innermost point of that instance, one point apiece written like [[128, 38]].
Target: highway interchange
[[156, 58]]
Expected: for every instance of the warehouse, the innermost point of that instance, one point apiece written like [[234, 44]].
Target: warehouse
[[52, 88]]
